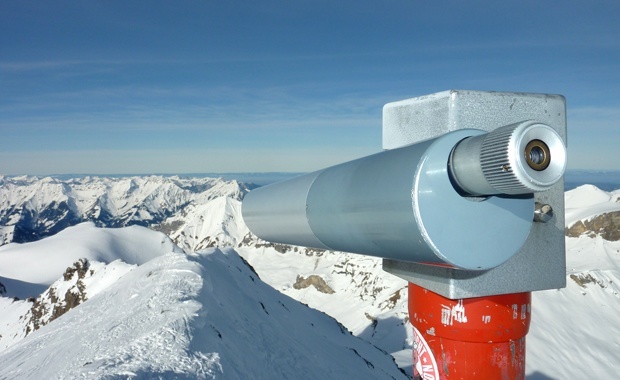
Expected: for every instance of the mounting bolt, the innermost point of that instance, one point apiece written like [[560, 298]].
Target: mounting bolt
[[542, 212]]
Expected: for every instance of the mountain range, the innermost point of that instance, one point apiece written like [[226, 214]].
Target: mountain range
[[62, 287]]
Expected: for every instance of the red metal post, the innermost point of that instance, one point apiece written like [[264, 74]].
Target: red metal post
[[473, 338]]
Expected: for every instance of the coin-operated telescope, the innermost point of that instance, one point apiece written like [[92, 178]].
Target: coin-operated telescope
[[466, 201], [463, 199]]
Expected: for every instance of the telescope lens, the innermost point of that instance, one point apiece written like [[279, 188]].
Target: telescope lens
[[537, 155]]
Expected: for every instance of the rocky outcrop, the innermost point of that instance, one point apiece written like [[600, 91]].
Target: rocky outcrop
[[583, 279], [606, 225], [313, 280], [50, 305], [250, 240]]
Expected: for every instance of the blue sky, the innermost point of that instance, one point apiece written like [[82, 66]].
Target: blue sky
[[244, 86]]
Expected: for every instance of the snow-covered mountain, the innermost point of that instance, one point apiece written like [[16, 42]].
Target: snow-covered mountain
[[33, 207], [38, 264], [372, 304], [169, 315]]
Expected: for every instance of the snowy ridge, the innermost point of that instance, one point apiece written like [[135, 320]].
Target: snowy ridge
[[587, 201], [34, 266], [205, 315], [81, 281]]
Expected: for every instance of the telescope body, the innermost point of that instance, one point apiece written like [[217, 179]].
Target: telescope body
[[409, 204]]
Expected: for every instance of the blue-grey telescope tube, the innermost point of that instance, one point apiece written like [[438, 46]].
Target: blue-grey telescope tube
[[403, 204]]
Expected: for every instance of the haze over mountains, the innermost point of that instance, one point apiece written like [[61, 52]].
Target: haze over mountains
[[207, 310]]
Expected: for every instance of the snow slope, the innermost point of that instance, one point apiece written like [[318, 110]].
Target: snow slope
[[80, 282], [588, 201], [351, 288], [575, 331], [36, 265], [205, 315]]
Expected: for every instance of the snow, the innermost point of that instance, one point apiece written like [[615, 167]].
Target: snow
[[575, 330], [588, 201], [214, 223], [36, 265], [362, 291], [205, 315], [10, 327]]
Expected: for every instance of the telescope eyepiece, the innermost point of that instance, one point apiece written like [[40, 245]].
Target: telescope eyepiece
[[520, 158]]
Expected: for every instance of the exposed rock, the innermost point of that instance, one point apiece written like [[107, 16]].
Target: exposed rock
[[80, 267], [168, 227], [363, 279], [49, 305], [391, 302], [313, 280], [250, 240], [583, 279], [2, 289], [606, 225]]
